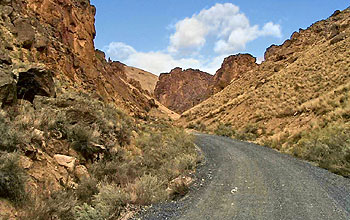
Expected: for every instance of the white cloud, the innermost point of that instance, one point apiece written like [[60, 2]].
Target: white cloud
[[271, 29], [222, 28], [190, 35], [119, 50], [224, 21], [159, 62]]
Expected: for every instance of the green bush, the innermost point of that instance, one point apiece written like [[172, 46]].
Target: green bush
[[149, 189], [12, 179], [9, 136], [58, 205], [224, 130], [329, 147], [107, 204], [86, 190]]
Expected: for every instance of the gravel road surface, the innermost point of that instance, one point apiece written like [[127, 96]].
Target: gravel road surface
[[240, 180]]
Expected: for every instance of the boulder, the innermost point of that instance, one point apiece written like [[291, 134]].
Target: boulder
[[338, 38], [41, 43], [8, 93], [25, 33], [179, 186], [66, 161]]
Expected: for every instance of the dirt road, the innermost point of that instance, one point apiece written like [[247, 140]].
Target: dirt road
[[244, 181]]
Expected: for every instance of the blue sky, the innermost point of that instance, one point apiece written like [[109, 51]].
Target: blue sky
[[158, 35]]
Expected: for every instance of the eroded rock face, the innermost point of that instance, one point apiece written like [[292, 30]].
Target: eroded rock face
[[35, 80], [233, 68], [59, 34], [180, 89]]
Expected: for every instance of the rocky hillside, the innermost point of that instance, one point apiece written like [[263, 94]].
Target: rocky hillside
[[78, 139], [302, 86], [146, 79], [180, 89], [49, 41]]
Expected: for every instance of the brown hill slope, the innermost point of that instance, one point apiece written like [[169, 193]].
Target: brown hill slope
[[147, 80], [302, 86]]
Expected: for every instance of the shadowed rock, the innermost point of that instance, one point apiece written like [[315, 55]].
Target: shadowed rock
[[7, 88], [35, 81]]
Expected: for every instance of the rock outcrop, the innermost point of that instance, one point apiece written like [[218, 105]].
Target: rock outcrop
[[232, 68], [59, 36], [180, 89]]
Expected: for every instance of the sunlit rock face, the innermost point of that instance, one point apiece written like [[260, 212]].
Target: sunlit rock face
[[58, 36]]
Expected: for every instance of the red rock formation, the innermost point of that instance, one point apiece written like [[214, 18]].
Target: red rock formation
[[232, 68], [180, 89]]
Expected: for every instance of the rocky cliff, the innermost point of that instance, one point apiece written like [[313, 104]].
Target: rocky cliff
[[232, 68], [49, 41], [61, 108], [180, 89]]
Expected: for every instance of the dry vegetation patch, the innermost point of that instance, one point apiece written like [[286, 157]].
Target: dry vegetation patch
[[127, 161]]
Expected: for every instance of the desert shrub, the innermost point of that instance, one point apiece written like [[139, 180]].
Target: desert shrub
[[82, 139], [224, 130], [12, 179], [198, 126], [249, 132], [58, 205], [164, 153], [112, 118], [328, 146], [118, 170], [107, 204], [149, 189], [9, 137], [86, 190], [58, 123]]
